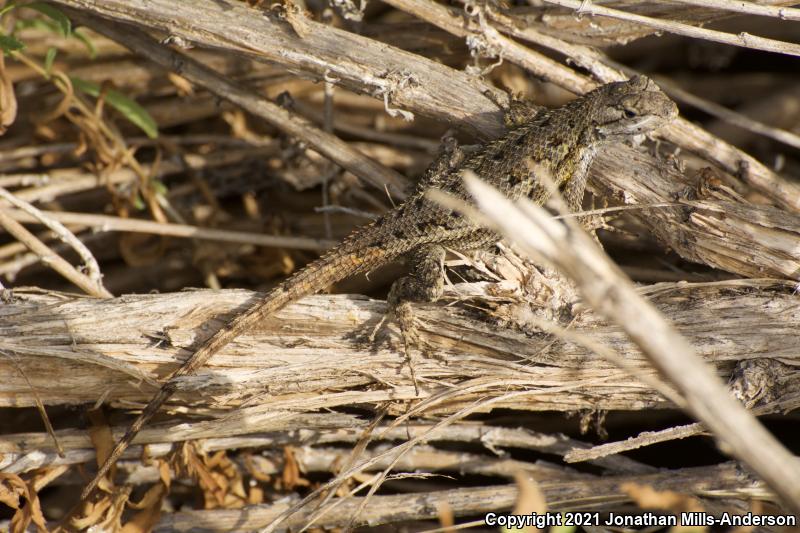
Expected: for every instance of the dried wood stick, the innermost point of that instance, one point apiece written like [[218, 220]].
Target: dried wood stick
[[62, 181], [749, 8], [744, 40], [65, 235], [607, 70], [50, 258], [437, 90], [409, 81], [110, 223], [312, 337]]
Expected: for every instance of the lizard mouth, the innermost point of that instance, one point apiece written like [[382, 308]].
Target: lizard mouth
[[637, 125]]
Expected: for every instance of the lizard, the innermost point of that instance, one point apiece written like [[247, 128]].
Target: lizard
[[558, 143]]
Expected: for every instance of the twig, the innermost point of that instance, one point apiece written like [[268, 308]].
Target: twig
[[393, 455], [50, 258], [111, 223], [649, 438], [278, 353], [646, 438], [61, 181], [730, 116], [98, 128], [607, 290], [370, 66], [749, 8], [63, 233], [744, 40]]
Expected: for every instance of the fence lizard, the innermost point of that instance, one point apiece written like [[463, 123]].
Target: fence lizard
[[558, 143]]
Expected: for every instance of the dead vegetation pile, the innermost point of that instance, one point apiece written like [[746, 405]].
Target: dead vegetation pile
[[151, 147]]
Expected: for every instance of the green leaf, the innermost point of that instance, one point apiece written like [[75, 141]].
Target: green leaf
[[138, 202], [129, 109], [159, 188], [8, 7], [38, 23], [49, 57], [10, 44], [78, 34], [64, 25]]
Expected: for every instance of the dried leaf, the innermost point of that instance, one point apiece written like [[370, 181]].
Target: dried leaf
[[291, 470], [297, 17], [446, 517], [100, 435], [8, 100], [647, 497], [530, 499], [165, 473], [150, 506], [255, 496], [92, 512], [12, 488], [184, 86]]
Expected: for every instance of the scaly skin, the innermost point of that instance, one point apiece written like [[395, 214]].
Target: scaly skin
[[558, 143]]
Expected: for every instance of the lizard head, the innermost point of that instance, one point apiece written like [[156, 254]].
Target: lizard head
[[631, 107]]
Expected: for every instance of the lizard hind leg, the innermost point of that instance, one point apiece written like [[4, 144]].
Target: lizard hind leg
[[424, 283]]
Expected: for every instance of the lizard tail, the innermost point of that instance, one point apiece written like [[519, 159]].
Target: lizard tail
[[351, 257]]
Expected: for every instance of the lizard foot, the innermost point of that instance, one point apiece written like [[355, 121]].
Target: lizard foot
[[410, 330], [381, 335], [410, 335]]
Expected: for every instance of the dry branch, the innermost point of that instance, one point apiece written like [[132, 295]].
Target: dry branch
[[605, 32], [52, 259], [322, 52], [571, 494], [307, 359], [743, 39], [108, 223], [565, 490]]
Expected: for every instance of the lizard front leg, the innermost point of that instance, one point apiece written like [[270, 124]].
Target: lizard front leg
[[573, 193], [424, 283], [574, 190]]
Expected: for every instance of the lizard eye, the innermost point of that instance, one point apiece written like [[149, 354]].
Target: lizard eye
[[628, 113]]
